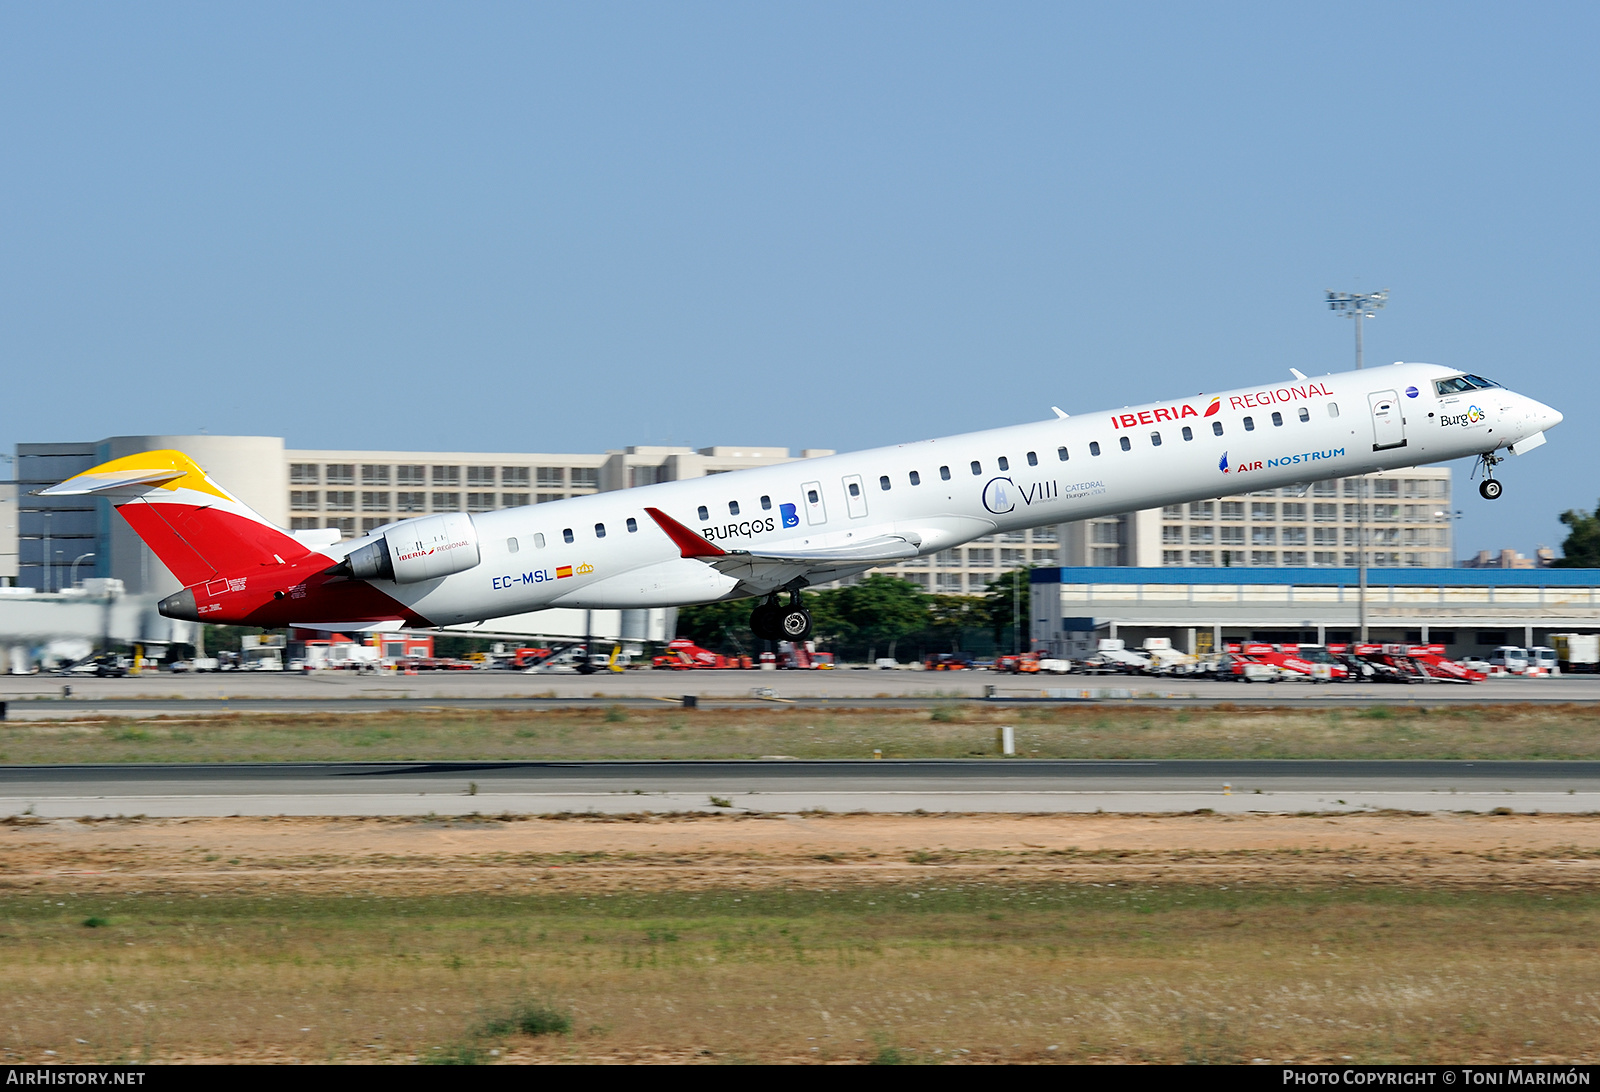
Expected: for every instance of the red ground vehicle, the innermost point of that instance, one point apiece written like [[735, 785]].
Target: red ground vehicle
[[1289, 659], [526, 657], [949, 661], [1414, 663], [684, 655], [1026, 663], [1300, 660], [803, 656]]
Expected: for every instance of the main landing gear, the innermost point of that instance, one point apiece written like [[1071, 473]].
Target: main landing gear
[[1490, 488], [772, 621]]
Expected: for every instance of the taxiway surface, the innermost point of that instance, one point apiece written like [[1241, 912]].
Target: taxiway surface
[[788, 786]]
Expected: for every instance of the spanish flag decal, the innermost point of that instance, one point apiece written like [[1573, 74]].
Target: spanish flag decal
[[564, 570]]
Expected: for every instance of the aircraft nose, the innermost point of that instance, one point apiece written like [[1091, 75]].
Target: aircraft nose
[[1548, 416]]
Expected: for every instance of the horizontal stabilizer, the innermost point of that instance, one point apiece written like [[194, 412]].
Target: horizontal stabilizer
[[102, 480]]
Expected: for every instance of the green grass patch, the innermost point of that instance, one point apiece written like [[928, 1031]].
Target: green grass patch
[[887, 974], [949, 730]]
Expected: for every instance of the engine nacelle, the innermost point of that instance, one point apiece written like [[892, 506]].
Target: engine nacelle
[[419, 549]]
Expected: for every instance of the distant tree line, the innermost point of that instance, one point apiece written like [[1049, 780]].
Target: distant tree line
[[1581, 550], [882, 616]]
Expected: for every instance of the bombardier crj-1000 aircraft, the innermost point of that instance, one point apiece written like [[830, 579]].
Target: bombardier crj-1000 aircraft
[[773, 530]]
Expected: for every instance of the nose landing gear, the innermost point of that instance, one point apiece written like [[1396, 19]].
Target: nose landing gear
[[1490, 488], [772, 621]]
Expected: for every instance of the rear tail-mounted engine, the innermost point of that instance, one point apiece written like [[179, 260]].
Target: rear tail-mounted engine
[[418, 549]]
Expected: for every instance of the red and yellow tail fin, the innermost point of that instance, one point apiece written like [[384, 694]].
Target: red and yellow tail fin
[[198, 529]]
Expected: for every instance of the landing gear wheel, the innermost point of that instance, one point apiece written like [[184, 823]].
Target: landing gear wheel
[[1489, 489], [795, 624], [765, 622]]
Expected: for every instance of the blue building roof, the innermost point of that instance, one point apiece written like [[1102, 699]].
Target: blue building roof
[[1385, 577]]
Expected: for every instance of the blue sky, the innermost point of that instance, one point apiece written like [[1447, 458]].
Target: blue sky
[[523, 227]]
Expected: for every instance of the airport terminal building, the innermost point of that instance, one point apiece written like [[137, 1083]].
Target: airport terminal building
[[1469, 611]]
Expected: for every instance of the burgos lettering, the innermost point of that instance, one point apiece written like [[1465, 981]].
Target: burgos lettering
[[1473, 416], [741, 530]]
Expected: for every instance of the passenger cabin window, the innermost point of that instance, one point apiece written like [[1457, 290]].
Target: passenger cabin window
[[704, 514], [511, 546], [883, 483], [1277, 419], [944, 472], [1033, 458], [1005, 463], [1188, 433], [633, 525], [733, 508], [1249, 424], [1155, 439], [1305, 414], [811, 496], [566, 534], [1094, 447], [1061, 453], [599, 530], [977, 468], [855, 490], [916, 479], [1127, 445], [1216, 428], [1333, 409], [766, 504], [538, 541]]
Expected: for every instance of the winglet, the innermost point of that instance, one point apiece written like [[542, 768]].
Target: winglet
[[1298, 374], [1060, 412], [688, 543]]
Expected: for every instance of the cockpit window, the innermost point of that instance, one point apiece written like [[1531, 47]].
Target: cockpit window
[[1459, 384]]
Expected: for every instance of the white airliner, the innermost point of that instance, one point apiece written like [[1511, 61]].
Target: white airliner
[[767, 531]]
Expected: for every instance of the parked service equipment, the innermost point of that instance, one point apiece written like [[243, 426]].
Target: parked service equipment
[[1577, 652]]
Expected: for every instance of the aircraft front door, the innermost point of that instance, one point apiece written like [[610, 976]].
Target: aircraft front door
[[816, 513], [1388, 423], [855, 497]]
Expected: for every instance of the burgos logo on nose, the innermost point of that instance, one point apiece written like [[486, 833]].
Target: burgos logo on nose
[[1472, 417]]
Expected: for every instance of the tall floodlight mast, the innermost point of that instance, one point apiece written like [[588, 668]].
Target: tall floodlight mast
[[1358, 306]]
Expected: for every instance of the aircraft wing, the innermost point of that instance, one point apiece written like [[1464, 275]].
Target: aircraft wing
[[766, 569]]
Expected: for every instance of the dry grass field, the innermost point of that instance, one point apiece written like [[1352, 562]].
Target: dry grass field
[[839, 939], [1411, 729]]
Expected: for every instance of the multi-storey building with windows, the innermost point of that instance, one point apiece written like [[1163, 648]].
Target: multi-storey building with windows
[[1406, 514]]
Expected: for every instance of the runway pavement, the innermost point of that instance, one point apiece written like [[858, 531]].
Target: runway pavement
[[788, 786], [32, 697]]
